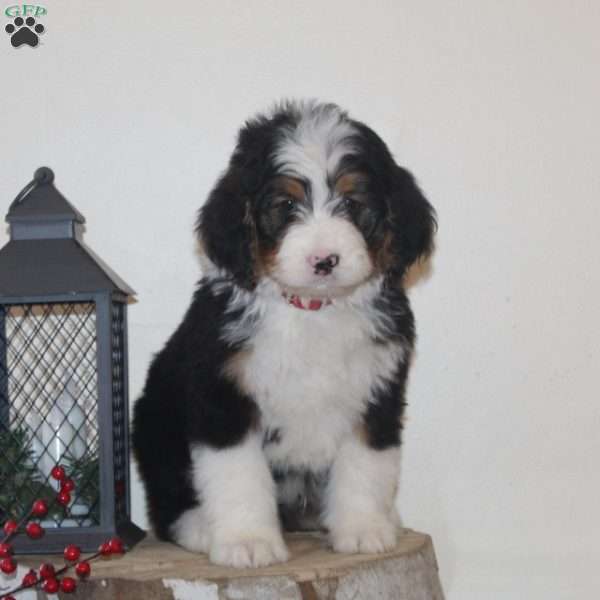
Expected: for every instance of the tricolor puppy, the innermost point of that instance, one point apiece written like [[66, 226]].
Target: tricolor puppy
[[278, 400]]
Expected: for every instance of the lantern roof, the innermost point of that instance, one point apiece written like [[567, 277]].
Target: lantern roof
[[40, 200], [46, 254]]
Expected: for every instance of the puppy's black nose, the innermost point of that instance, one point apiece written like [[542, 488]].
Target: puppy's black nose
[[324, 266]]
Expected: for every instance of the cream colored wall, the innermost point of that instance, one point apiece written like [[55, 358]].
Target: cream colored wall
[[493, 105]]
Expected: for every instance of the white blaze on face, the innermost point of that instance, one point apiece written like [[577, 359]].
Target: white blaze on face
[[312, 151]]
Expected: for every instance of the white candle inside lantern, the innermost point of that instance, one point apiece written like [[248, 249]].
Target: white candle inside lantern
[[64, 431], [67, 402], [38, 455]]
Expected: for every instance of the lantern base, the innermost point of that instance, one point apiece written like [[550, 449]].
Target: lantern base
[[87, 538]]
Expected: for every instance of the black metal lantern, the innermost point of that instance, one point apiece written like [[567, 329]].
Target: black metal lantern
[[63, 376]]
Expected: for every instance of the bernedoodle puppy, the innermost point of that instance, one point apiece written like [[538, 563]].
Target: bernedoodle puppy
[[278, 401]]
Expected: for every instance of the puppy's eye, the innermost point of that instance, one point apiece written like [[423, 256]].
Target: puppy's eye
[[285, 202], [351, 204]]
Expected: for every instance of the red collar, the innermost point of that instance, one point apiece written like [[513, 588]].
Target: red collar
[[308, 304]]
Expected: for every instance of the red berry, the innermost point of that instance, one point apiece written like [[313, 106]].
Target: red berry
[[51, 585], [30, 579], [9, 597], [39, 508], [63, 498], [83, 569], [104, 549], [8, 565], [58, 473], [67, 485], [68, 585], [10, 527], [5, 550], [116, 546], [34, 530], [72, 552], [47, 571]]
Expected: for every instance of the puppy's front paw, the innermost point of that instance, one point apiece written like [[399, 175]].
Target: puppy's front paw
[[367, 539], [249, 552]]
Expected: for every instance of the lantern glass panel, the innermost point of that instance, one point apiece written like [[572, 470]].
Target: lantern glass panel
[[49, 409]]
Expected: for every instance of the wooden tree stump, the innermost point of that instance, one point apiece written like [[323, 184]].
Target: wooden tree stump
[[159, 571]]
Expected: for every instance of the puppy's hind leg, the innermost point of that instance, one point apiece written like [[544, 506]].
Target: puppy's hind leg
[[190, 530]]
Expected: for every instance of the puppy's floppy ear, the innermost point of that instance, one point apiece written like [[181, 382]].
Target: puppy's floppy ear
[[226, 224], [411, 221], [226, 227]]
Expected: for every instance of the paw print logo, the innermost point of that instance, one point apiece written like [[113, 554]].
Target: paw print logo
[[24, 32]]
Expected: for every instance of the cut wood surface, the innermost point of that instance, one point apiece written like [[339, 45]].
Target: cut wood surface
[[156, 570]]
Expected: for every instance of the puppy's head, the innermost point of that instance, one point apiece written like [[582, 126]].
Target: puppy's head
[[314, 201]]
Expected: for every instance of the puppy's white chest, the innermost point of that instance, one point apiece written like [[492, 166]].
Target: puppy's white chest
[[312, 374]]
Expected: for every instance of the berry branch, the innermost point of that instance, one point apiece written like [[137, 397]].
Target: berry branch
[[48, 577]]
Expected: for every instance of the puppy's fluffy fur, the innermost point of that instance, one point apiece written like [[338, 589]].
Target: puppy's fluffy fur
[[279, 398]]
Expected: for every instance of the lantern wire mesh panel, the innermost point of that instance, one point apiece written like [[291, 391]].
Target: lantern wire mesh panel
[[48, 409]]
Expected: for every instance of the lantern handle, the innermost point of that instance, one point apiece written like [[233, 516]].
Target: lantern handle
[[42, 176]]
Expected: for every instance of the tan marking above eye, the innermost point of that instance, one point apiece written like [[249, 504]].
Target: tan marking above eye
[[349, 183], [291, 187]]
